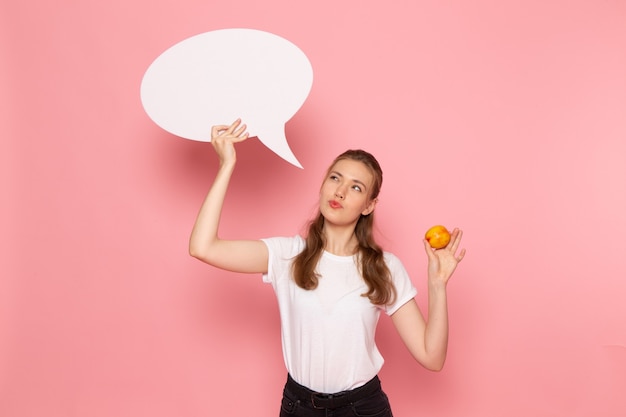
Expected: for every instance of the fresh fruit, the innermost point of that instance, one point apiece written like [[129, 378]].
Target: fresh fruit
[[437, 236]]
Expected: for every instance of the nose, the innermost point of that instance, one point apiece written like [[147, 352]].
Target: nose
[[339, 193]]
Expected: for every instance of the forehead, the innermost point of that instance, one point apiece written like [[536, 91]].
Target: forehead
[[353, 170]]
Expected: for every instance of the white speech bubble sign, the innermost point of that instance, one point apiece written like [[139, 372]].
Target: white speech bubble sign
[[216, 77]]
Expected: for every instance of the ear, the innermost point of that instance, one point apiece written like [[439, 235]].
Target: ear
[[370, 207]]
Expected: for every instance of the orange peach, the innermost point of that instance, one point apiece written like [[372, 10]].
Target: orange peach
[[438, 236]]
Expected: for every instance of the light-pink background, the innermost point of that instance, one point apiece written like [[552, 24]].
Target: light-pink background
[[506, 118]]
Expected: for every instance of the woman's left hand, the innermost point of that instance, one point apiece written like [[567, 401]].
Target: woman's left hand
[[443, 262]]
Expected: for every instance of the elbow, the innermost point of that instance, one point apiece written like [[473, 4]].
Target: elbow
[[433, 364], [435, 367], [205, 253], [198, 252], [201, 257], [194, 250], [193, 253]]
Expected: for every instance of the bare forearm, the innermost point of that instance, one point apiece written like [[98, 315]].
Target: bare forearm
[[436, 332], [205, 230]]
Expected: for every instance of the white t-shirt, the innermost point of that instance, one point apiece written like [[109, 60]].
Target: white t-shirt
[[328, 333]]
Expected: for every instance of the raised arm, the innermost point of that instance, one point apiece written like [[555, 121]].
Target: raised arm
[[249, 256], [428, 340]]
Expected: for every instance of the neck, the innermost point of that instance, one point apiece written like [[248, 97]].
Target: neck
[[340, 240]]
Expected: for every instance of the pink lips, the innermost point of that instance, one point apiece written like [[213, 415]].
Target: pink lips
[[334, 204]]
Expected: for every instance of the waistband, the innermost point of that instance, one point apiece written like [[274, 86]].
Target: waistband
[[339, 399]]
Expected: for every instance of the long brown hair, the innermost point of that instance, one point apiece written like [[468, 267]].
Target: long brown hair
[[371, 263]]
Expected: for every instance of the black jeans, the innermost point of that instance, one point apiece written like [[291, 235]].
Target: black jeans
[[366, 401]]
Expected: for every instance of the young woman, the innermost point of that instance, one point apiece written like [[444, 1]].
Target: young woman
[[331, 286]]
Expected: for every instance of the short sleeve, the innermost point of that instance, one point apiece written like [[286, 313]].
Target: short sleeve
[[405, 290], [281, 251]]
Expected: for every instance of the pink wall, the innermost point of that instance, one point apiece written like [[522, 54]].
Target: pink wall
[[505, 118]]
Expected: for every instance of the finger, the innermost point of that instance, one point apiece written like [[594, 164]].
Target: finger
[[240, 130], [461, 256], [233, 126], [430, 252], [240, 138], [216, 130], [455, 240]]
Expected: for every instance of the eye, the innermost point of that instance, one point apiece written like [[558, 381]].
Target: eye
[[356, 188], [333, 177]]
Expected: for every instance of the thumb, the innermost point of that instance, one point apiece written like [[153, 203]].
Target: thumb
[[430, 252]]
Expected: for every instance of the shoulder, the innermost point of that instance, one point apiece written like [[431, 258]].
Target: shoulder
[[281, 252], [392, 261], [285, 246], [399, 274], [405, 290]]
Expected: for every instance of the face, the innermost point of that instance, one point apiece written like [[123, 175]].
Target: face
[[345, 192]]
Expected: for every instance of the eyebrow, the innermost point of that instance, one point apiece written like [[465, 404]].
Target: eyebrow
[[361, 183]]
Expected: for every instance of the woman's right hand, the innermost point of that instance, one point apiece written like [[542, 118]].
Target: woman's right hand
[[223, 139]]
